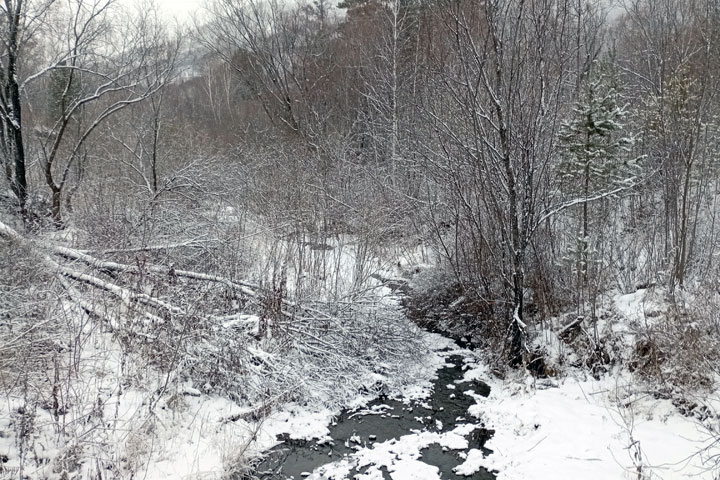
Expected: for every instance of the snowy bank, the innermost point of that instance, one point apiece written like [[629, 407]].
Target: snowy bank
[[589, 430]]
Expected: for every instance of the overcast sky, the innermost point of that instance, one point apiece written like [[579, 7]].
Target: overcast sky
[[181, 9]]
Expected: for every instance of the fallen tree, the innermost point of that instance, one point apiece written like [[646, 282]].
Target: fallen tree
[[216, 330]]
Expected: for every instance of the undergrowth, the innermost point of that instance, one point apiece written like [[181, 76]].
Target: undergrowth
[[671, 344]]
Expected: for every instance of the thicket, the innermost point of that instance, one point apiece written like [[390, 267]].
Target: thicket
[[242, 191]]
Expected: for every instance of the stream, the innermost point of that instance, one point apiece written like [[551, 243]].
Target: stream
[[390, 439]]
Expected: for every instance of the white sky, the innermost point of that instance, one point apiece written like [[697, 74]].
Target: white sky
[[183, 10]]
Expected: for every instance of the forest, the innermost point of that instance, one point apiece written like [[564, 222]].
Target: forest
[[263, 215]]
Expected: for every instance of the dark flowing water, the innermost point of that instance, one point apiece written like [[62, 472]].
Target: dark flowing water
[[442, 412]]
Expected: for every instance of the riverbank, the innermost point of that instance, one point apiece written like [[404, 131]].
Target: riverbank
[[574, 428], [422, 431], [593, 418], [552, 428]]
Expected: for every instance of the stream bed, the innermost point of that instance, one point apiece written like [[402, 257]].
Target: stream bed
[[391, 439]]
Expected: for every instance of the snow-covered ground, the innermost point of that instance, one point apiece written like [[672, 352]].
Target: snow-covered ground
[[573, 427], [182, 433], [588, 429], [100, 408], [579, 427], [567, 429], [125, 419], [203, 443]]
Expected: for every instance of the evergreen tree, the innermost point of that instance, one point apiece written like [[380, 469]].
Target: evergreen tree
[[594, 160]]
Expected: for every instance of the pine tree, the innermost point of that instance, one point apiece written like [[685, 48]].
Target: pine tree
[[594, 148]]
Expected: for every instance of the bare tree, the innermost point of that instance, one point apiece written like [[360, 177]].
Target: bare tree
[[22, 21], [513, 69], [138, 65], [668, 55], [280, 53]]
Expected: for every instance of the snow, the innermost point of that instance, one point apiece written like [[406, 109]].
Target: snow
[[589, 430], [207, 445], [641, 307], [401, 457], [161, 426], [407, 469], [574, 426], [473, 463], [300, 423], [198, 443], [631, 305], [560, 428]]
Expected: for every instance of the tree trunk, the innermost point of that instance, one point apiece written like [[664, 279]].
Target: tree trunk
[[586, 192], [56, 210], [14, 122]]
